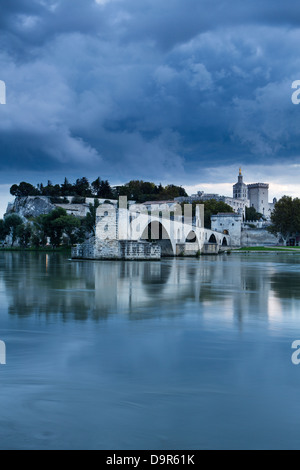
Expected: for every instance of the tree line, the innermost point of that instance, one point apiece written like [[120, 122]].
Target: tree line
[[211, 207], [58, 227], [139, 191], [286, 219]]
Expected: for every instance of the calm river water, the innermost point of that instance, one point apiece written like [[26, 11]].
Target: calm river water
[[178, 354]]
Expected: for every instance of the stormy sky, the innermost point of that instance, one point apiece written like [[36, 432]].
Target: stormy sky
[[181, 91]]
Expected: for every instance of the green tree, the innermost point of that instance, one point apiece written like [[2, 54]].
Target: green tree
[[252, 214], [24, 190], [81, 234], [211, 207], [14, 190], [40, 232], [12, 222], [96, 186], [24, 233], [286, 218], [4, 231], [51, 190], [171, 191], [90, 220], [105, 191], [48, 226], [55, 229], [82, 187], [35, 239], [102, 189], [141, 191], [70, 226], [67, 188]]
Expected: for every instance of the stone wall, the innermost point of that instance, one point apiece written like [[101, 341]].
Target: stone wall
[[133, 250], [79, 210], [229, 224], [118, 250], [107, 249], [187, 249], [258, 237], [210, 249], [85, 250], [165, 247]]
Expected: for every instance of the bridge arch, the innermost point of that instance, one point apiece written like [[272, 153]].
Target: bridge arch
[[213, 239], [191, 238], [156, 231], [224, 243]]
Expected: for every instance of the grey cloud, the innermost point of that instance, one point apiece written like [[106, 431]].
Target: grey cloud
[[148, 89]]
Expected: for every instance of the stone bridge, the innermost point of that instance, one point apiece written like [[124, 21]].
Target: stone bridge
[[134, 233], [176, 237]]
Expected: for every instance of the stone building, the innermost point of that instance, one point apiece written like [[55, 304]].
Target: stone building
[[238, 205], [259, 199], [240, 189], [228, 224], [252, 195]]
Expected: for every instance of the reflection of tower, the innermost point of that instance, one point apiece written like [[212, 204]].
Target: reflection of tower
[[240, 189]]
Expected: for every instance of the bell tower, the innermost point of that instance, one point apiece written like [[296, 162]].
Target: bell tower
[[240, 189]]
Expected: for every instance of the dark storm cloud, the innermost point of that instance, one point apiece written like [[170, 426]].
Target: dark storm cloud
[[148, 89]]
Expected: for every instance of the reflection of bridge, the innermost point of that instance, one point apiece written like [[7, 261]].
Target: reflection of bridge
[[226, 285], [134, 233]]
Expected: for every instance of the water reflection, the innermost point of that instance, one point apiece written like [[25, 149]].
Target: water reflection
[[209, 367], [40, 284]]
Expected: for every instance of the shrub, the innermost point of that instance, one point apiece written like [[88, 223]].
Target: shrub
[[78, 200]]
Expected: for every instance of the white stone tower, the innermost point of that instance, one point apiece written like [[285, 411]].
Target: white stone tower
[[240, 189], [259, 198]]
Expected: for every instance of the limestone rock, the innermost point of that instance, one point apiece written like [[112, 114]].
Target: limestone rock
[[31, 206]]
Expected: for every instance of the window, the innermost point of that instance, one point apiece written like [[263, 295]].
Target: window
[[105, 214], [106, 228]]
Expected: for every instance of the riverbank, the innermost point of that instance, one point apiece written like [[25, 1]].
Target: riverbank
[[62, 249], [263, 249]]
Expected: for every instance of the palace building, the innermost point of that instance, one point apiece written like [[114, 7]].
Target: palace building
[[244, 195]]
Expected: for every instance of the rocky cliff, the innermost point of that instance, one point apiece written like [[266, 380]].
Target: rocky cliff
[[31, 206]]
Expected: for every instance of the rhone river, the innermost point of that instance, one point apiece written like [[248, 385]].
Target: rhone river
[[179, 354]]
